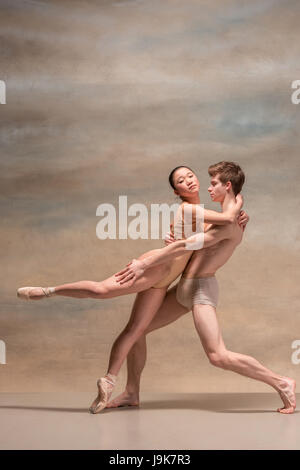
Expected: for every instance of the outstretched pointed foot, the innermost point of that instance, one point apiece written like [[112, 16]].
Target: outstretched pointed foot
[[105, 388], [124, 399], [35, 293], [288, 396]]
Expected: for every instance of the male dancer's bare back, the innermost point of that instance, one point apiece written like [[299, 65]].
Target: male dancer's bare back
[[220, 244]]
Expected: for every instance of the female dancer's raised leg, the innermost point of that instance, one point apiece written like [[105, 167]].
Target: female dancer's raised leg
[[105, 289]]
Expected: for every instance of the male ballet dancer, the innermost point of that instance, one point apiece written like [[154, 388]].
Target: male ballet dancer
[[197, 290]]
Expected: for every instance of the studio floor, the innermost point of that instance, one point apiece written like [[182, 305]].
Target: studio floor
[[163, 421]]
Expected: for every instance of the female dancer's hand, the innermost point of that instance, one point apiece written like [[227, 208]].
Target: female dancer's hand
[[239, 200], [243, 219], [134, 270], [169, 238]]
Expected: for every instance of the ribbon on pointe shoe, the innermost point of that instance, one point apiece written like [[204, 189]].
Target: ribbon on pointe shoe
[[48, 291], [113, 378]]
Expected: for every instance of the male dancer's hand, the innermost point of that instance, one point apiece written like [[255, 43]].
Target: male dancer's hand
[[134, 270]]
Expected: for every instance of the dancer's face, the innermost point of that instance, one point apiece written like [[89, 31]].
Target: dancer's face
[[217, 190], [185, 182]]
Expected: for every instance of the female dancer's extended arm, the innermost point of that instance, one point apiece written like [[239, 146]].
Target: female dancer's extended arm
[[222, 218]]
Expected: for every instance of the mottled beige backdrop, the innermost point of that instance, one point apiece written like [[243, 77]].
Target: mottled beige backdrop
[[104, 98]]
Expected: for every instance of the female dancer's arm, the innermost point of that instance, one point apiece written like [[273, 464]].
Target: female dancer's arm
[[223, 218], [243, 220], [191, 218]]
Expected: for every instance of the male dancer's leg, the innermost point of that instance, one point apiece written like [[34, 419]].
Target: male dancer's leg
[[207, 326], [169, 311]]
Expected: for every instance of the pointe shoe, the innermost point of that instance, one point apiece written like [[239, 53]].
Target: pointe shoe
[[105, 388], [24, 292]]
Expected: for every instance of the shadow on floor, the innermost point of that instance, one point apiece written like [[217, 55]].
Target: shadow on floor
[[216, 402]]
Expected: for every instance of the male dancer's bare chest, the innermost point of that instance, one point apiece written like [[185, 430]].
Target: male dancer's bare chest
[[208, 260]]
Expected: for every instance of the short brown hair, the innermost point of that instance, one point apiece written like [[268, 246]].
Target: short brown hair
[[229, 171]]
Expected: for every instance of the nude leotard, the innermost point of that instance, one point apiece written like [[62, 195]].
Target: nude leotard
[[184, 226]]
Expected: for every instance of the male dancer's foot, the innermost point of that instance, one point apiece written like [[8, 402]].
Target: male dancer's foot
[[125, 399], [286, 390]]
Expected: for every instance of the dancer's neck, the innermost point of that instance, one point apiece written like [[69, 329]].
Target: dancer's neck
[[228, 200], [192, 199]]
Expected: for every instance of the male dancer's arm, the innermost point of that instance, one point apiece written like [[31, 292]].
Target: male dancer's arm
[[136, 268]]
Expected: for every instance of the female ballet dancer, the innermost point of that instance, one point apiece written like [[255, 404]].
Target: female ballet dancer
[[186, 185]]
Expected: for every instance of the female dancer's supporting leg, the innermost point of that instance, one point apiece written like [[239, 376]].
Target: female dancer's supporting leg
[[146, 305], [169, 311]]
